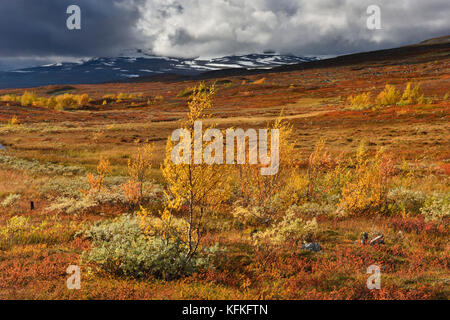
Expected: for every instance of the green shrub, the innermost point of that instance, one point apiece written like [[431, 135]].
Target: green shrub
[[122, 248], [73, 205], [291, 228], [437, 207], [406, 201]]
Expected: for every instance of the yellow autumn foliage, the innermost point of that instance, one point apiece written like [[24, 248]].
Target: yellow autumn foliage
[[366, 189], [388, 97], [199, 187]]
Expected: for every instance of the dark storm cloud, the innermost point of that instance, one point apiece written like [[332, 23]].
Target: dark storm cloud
[[35, 31]]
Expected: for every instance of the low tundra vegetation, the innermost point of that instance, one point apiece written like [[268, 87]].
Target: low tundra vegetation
[[290, 229], [170, 240], [123, 248], [225, 231], [10, 200], [20, 230], [437, 207]]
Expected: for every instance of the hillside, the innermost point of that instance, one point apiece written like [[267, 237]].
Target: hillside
[[136, 65]]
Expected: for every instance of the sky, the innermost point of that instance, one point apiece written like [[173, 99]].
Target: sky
[[35, 32]]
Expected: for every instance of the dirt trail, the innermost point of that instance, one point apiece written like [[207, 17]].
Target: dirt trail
[[300, 108], [249, 119]]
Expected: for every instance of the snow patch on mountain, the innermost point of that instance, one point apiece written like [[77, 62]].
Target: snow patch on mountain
[[135, 64]]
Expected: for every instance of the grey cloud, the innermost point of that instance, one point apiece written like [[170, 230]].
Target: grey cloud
[[217, 27], [36, 30]]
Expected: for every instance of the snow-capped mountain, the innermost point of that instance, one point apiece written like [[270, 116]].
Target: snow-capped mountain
[[135, 65]]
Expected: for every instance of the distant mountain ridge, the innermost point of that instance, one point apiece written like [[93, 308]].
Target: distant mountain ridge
[[134, 65]]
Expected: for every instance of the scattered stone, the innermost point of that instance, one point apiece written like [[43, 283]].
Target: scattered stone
[[377, 240], [312, 246]]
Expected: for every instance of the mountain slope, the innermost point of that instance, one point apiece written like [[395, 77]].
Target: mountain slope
[[137, 65]]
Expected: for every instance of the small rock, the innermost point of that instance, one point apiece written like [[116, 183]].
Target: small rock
[[377, 240], [312, 246]]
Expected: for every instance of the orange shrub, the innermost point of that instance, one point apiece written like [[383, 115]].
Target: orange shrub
[[13, 121], [358, 102], [412, 95], [367, 189], [28, 98], [96, 183], [389, 96]]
